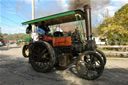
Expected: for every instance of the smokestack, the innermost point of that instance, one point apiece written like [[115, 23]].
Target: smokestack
[[78, 4], [87, 11], [95, 4]]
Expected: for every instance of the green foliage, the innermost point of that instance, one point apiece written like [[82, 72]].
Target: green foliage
[[1, 37], [121, 16], [116, 28], [19, 36]]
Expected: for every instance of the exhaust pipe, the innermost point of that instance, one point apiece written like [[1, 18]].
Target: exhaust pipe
[[87, 11]]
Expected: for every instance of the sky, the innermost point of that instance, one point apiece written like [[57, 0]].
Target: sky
[[14, 12]]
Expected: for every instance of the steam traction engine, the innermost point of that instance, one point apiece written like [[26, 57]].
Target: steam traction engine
[[62, 51]]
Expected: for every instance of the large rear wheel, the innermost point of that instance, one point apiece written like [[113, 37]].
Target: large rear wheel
[[42, 57], [89, 65]]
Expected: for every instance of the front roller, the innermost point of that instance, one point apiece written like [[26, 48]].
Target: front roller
[[42, 56], [25, 51], [89, 65]]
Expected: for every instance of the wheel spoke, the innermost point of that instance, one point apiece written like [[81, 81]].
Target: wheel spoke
[[87, 72], [92, 61], [86, 59], [44, 51], [97, 67], [46, 54]]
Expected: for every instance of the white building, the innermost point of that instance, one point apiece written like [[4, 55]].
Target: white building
[[100, 41]]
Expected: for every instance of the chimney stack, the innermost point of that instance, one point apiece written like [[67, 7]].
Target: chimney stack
[[87, 11]]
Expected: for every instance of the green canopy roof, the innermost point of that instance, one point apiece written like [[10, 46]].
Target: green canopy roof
[[57, 18]]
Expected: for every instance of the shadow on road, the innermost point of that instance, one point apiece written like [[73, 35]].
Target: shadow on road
[[8, 48], [110, 76], [18, 72], [3, 48]]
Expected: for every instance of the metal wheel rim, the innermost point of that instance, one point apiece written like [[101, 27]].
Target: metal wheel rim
[[87, 72]]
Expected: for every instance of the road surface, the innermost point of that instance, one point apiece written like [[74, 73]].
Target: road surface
[[15, 70]]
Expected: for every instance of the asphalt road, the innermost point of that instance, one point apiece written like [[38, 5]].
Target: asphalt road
[[15, 70]]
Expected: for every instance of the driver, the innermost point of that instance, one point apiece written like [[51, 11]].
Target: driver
[[41, 31], [43, 28]]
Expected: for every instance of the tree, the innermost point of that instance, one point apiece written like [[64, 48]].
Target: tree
[[116, 28], [19, 36]]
